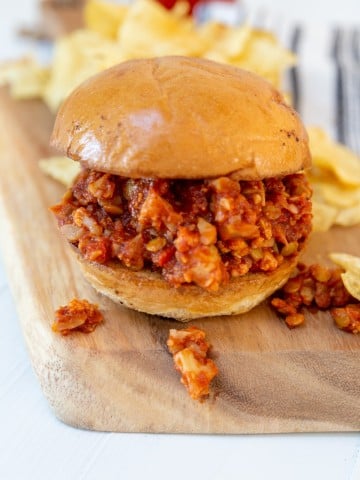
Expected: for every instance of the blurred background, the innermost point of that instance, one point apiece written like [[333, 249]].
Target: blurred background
[[50, 17]]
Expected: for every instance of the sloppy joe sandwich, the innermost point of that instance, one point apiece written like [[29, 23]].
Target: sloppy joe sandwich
[[191, 201]]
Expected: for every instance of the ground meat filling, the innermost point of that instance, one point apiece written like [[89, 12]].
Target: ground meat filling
[[201, 232]]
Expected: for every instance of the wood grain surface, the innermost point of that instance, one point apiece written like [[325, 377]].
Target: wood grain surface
[[121, 377]]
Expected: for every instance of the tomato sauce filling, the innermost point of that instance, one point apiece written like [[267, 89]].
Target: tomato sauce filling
[[201, 232], [190, 353], [77, 315]]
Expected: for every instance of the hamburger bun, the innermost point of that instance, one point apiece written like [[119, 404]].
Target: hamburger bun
[[186, 118], [176, 117]]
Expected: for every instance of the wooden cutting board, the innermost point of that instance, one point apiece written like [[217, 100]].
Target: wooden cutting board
[[121, 377]]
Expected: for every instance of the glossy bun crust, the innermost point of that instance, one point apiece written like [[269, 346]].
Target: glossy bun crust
[[179, 117], [148, 292]]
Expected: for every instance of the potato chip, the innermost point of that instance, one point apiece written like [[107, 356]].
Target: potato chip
[[347, 217], [150, 30], [323, 216], [334, 157], [264, 57], [351, 277], [351, 282], [230, 43], [27, 79], [104, 18], [346, 261], [62, 169], [249, 48], [334, 193], [78, 56]]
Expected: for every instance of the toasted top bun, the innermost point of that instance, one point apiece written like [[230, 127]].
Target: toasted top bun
[[179, 117]]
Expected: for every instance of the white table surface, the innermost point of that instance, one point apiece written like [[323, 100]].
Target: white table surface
[[35, 445]]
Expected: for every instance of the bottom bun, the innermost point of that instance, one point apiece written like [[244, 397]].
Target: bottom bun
[[148, 292]]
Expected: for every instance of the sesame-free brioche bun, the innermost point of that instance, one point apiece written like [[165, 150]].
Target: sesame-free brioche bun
[[148, 292], [179, 117]]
